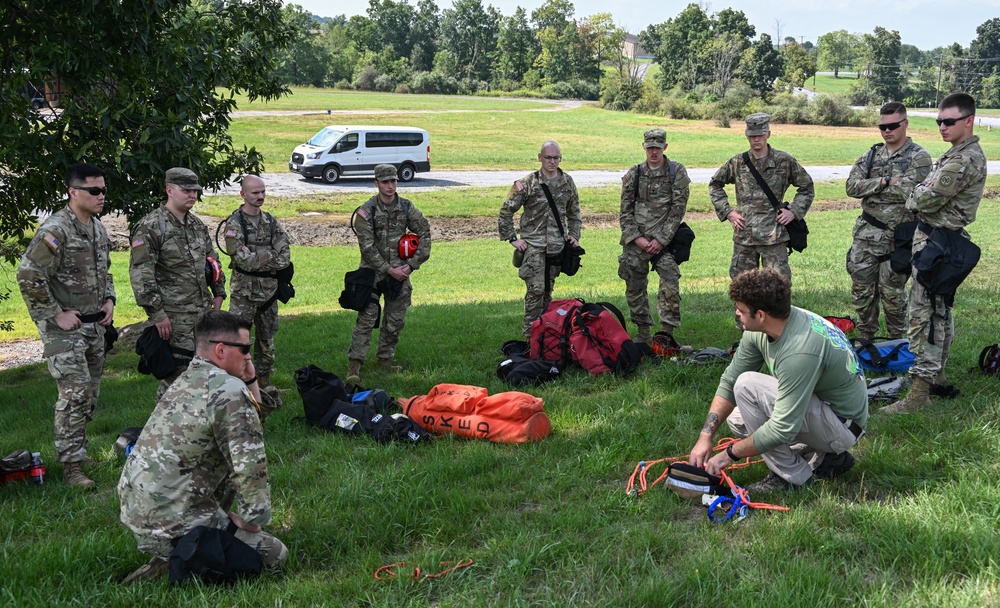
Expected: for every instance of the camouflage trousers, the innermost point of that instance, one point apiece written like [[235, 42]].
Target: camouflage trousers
[[76, 362], [537, 293], [265, 322], [931, 328], [271, 550], [751, 257], [872, 282], [181, 336], [394, 318], [634, 268]]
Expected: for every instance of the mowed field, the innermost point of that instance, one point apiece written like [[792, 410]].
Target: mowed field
[[546, 524]]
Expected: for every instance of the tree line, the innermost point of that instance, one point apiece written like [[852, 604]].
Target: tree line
[[471, 47]]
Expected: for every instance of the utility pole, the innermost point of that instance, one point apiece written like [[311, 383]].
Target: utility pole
[[937, 89]]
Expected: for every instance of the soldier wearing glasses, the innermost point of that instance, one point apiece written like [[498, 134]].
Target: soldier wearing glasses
[[66, 282], [201, 449], [883, 178], [542, 235], [947, 199]]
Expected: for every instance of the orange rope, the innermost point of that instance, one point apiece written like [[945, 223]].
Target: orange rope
[[417, 574], [644, 466]]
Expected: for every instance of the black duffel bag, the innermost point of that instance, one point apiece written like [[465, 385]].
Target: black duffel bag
[[945, 261], [358, 288], [798, 233], [680, 246], [901, 256], [571, 255]]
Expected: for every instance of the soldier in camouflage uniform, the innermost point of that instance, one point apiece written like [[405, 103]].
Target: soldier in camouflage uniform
[[883, 178], [759, 235], [653, 201], [381, 221], [66, 282], [537, 251], [201, 449], [167, 267], [258, 246], [947, 199]]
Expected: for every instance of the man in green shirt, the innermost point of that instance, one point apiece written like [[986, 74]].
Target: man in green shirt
[[805, 415]]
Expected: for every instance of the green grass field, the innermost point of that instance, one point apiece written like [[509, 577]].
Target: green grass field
[[481, 136], [826, 83], [547, 524]]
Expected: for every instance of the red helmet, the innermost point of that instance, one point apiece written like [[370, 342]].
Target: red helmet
[[408, 244], [213, 271]]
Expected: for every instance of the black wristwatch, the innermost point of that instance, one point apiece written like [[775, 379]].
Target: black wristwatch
[[512, 239], [885, 181], [729, 452]]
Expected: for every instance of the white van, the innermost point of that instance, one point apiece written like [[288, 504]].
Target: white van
[[355, 150]]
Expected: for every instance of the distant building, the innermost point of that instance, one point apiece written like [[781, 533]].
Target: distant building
[[632, 48]]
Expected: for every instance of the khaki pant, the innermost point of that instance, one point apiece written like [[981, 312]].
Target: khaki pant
[[821, 432]]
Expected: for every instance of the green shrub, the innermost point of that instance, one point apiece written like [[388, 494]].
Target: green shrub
[[833, 111]]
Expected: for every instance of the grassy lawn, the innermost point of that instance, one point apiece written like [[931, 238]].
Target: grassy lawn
[[826, 83], [548, 524], [319, 100], [591, 138]]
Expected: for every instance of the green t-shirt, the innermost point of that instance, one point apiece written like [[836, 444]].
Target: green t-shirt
[[810, 357]]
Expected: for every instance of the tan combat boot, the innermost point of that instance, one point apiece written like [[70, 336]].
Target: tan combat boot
[[642, 335], [354, 372], [389, 366], [150, 571], [73, 475], [917, 398]]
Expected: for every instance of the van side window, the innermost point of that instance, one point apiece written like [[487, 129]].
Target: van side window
[[347, 142], [409, 139], [380, 140]]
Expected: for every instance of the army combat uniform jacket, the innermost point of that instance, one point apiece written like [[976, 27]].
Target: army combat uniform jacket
[[780, 171], [886, 204], [167, 265], [67, 266], [538, 227], [269, 251], [202, 443], [380, 226], [949, 197], [659, 208]]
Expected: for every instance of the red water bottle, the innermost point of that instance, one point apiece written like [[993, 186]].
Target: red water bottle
[[37, 470]]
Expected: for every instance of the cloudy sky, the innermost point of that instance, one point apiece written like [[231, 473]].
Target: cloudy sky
[[925, 24]]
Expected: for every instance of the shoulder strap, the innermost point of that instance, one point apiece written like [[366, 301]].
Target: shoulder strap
[[552, 203], [760, 182], [635, 189], [871, 158]]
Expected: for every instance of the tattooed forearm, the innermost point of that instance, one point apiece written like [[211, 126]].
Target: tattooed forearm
[[711, 424]]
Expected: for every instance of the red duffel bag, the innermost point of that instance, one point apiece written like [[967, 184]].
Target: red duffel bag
[[469, 411]]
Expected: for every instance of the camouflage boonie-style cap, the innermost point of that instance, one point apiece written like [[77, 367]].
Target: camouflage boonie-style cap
[[654, 138], [185, 178], [758, 124], [385, 173]]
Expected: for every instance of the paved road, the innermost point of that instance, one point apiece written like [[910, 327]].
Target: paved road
[[292, 184]]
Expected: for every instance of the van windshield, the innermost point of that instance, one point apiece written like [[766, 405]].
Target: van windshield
[[325, 137]]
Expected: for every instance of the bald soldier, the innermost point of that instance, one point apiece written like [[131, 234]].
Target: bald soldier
[[170, 247], [545, 228], [759, 235], [654, 198], [65, 279], [258, 247]]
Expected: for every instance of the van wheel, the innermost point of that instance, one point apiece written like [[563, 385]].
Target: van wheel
[[406, 173], [331, 173]]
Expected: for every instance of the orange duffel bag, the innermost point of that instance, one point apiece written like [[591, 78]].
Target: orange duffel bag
[[469, 411]]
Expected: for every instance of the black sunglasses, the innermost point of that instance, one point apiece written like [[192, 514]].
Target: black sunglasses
[[91, 190], [244, 348], [950, 122], [890, 126]]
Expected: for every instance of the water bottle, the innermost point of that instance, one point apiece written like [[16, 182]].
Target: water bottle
[[37, 470]]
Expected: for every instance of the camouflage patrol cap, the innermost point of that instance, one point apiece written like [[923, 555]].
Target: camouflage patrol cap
[[385, 173], [758, 124], [654, 138], [185, 178]]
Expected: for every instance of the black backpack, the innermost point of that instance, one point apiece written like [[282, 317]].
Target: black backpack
[[521, 371], [215, 556]]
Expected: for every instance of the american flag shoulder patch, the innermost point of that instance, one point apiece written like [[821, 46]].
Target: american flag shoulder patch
[[519, 186], [139, 242], [231, 234], [51, 240], [363, 212]]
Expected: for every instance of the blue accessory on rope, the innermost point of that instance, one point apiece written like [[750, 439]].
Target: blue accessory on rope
[[731, 506]]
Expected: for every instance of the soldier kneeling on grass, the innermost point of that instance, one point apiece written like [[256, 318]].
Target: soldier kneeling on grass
[[202, 447], [804, 417]]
